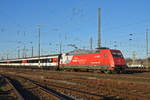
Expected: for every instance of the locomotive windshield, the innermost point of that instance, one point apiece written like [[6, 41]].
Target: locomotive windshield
[[116, 54]]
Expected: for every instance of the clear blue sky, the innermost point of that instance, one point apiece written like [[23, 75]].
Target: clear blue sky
[[72, 22]]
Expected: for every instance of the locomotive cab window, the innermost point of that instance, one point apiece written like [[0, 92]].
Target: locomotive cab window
[[117, 54]]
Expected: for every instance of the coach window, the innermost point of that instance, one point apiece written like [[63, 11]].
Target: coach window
[[42, 60], [28, 61], [50, 60], [45, 60], [56, 60], [35, 61]]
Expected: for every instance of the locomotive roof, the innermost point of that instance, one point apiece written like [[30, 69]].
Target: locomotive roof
[[82, 51]]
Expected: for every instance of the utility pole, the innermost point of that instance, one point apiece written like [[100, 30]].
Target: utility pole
[[147, 47], [91, 42], [23, 53], [7, 56], [60, 47], [32, 50], [2, 58], [18, 53], [115, 44], [39, 44], [60, 44], [130, 44], [99, 34], [134, 57]]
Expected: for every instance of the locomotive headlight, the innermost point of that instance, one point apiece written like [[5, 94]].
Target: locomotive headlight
[[112, 65]]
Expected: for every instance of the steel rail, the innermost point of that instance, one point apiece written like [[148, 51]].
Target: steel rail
[[51, 91], [18, 94]]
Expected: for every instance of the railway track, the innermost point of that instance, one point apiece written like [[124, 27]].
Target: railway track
[[70, 91], [15, 90], [114, 87], [91, 86], [75, 93], [136, 77], [35, 91], [57, 95]]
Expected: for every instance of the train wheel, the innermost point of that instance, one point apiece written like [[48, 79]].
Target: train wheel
[[107, 72], [123, 71], [115, 72]]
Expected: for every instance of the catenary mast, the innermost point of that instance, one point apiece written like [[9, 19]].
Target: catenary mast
[[99, 30]]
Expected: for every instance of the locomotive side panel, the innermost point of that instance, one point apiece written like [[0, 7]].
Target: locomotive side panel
[[100, 60]]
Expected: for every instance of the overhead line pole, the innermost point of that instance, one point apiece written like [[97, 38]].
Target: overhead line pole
[[32, 51], [18, 53], [99, 34], [147, 47], [91, 42], [39, 45], [60, 47], [7, 56]]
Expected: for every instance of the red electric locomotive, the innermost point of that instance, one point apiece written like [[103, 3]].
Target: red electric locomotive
[[103, 59]]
